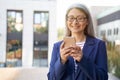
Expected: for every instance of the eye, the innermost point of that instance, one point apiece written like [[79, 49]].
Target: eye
[[70, 18], [81, 19]]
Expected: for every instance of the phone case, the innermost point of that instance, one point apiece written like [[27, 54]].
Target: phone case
[[69, 41]]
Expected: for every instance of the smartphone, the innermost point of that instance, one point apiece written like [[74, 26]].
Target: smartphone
[[69, 41]]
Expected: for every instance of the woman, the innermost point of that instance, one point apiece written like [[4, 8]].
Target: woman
[[87, 60]]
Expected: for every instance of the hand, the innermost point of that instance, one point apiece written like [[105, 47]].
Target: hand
[[64, 53], [76, 53]]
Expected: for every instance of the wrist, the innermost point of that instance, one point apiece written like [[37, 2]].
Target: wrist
[[63, 61]]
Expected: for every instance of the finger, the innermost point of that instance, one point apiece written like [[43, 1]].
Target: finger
[[77, 47], [62, 45], [76, 57], [68, 48], [73, 54], [66, 51], [75, 51], [74, 47], [76, 54], [66, 55]]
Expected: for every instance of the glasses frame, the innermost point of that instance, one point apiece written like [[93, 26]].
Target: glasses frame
[[78, 18]]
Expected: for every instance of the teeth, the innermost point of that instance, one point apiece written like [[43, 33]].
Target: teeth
[[75, 27]]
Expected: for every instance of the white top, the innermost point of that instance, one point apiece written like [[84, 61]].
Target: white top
[[81, 44]]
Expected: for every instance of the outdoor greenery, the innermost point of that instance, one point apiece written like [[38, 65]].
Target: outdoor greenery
[[42, 30], [114, 59], [61, 33]]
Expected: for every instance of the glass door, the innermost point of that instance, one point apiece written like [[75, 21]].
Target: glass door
[[40, 26], [14, 38]]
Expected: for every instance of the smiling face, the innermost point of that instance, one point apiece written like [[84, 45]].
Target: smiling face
[[76, 21]]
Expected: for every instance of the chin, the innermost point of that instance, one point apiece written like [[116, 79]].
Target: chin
[[77, 31]]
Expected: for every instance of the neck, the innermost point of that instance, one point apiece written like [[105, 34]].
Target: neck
[[79, 37]]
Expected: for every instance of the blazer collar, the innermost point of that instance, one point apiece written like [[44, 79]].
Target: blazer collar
[[88, 46], [89, 41]]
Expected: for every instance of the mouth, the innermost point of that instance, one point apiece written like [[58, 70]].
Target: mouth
[[75, 27]]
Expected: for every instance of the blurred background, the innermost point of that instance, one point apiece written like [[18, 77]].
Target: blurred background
[[29, 28]]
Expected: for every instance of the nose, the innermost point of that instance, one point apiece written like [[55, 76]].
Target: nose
[[75, 19], [75, 22]]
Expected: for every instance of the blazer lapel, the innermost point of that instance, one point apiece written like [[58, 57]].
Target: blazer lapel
[[87, 49], [88, 46]]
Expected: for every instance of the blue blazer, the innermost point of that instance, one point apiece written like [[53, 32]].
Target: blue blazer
[[93, 65]]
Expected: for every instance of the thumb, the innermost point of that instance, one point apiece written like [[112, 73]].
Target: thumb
[[62, 45]]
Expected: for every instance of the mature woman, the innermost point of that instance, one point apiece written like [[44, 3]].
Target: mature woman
[[87, 60]]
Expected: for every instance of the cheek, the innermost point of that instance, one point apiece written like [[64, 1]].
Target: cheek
[[84, 25], [68, 24]]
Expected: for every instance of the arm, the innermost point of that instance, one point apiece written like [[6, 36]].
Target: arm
[[95, 70], [57, 69]]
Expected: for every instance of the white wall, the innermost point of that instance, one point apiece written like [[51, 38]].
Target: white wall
[[110, 25], [28, 8]]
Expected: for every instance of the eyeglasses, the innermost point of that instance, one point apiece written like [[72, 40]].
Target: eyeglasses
[[79, 18]]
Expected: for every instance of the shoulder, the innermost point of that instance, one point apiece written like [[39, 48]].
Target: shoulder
[[94, 40], [57, 44], [99, 40]]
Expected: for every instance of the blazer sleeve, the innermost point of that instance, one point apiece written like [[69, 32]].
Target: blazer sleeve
[[95, 70], [56, 69]]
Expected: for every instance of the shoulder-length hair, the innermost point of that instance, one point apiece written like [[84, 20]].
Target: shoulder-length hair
[[89, 31]]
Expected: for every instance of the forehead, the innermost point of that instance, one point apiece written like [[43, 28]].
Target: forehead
[[76, 12]]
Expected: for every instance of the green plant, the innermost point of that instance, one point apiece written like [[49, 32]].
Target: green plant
[[113, 60], [61, 33]]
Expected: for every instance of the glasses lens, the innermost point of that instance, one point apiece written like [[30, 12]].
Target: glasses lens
[[71, 19], [79, 19]]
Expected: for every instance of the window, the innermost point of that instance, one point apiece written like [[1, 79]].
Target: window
[[40, 26], [103, 33], [109, 32], [116, 31], [14, 38]]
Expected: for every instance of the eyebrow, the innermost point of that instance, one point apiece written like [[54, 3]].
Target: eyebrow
[[76, 16]]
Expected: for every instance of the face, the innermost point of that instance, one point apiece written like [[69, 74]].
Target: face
[[76, 21]]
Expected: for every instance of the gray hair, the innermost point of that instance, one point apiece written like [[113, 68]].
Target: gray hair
[[89, 29]]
